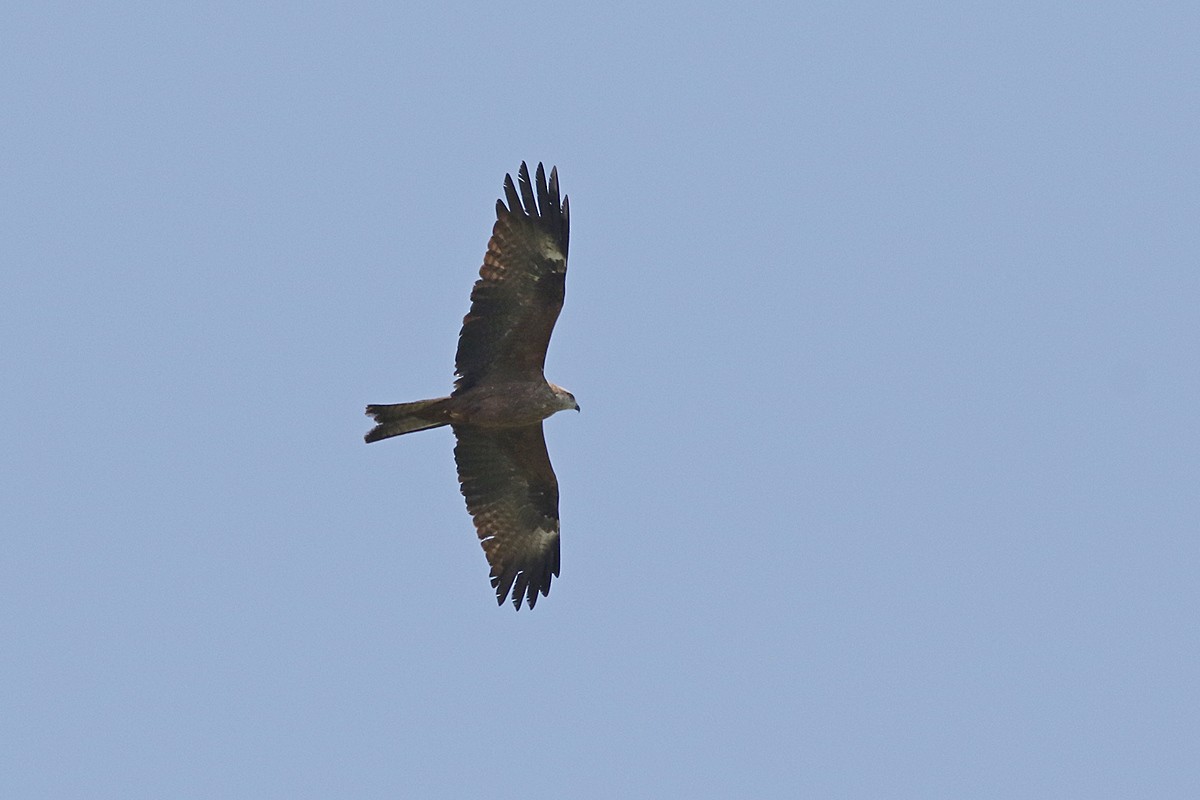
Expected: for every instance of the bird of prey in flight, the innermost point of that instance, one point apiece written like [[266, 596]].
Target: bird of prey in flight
[[501, 395]]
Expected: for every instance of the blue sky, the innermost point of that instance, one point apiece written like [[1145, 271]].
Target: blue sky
[[883, 320]]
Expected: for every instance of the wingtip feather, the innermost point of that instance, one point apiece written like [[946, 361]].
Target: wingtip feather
[[543, 192], [553, 188], [526, 186], [514, 199]]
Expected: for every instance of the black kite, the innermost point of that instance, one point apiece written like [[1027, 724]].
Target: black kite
[[501, 395]]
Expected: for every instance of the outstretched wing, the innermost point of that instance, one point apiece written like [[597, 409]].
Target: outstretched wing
[[512, 495], [516, 300]]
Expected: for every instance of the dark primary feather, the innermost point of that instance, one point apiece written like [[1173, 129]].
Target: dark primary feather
[[512, 495], [516, 300]]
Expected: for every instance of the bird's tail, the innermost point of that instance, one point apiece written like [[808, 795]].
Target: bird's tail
[[401, 418]]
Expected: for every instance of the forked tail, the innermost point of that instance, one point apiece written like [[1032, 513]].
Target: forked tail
[[401, 418]]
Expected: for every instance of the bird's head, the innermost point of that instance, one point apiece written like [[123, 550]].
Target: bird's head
[[566, 399]]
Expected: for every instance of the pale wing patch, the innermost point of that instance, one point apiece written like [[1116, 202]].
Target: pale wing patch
[[542, 538], [548, 249]]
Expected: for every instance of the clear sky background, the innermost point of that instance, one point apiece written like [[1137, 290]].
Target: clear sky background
[[884, 323]]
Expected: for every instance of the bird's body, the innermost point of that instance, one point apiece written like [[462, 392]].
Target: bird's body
[[501, 395], [507, 405]]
